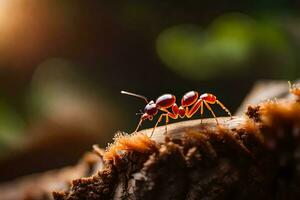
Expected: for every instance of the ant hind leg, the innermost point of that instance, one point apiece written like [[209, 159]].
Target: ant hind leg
[[223, 107], [211, 110]]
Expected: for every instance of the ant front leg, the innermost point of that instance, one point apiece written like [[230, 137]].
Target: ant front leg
[[167, 115]]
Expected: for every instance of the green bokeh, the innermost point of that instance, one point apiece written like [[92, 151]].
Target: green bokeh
[[11, 125], [226, 47]]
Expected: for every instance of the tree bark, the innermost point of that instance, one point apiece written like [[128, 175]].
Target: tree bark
[[249, 156], [253, 156]]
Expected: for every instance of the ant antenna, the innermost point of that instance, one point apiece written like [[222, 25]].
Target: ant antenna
[[135, 95]]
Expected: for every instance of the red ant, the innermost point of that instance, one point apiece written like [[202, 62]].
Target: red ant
[[166, 101]]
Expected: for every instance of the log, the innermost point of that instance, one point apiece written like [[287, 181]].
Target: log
[[40, 186], [256, 155], [265, 90], [253, 156]]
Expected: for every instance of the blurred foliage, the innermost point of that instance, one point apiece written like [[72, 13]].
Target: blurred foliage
[[54, 80], [61, 93], [227, 47], [11, 125]]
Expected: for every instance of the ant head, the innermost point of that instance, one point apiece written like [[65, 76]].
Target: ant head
[[150, 110]]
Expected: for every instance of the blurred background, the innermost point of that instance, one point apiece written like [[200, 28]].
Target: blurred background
[[63, 64]]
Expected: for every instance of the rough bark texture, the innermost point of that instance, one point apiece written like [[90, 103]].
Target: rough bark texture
[[40, 186], [252, 156], [248, 157]]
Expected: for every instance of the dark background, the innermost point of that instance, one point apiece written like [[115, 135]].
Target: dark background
[[63, 64]]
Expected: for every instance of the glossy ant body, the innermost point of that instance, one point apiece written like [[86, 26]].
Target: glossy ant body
[[191, 102]]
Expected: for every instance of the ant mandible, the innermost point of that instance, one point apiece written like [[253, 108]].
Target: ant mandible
[[190, 104]]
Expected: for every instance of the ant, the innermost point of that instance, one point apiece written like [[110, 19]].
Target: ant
[[190, 104]]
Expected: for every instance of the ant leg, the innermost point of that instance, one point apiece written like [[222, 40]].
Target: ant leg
[[193, 110], [201, 111], [167, 121], [212, 112], [170, 114], [159, 120], [138, 126], [173, 116], [167, 115], [223, 107]]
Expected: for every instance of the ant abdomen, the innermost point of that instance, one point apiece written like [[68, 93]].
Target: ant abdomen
[[165, 101], [189, 98]]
